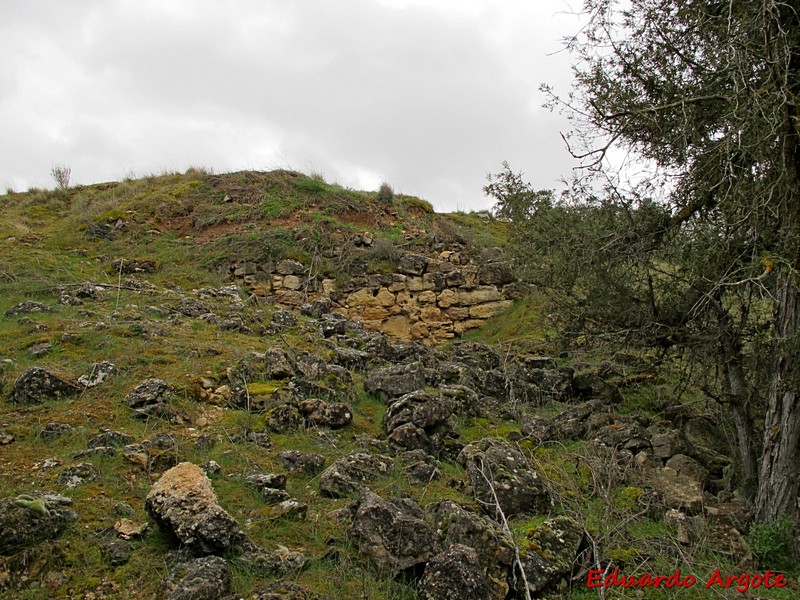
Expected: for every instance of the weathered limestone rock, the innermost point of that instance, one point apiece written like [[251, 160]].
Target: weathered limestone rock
[[479, 295], [326, 414], [455, 525], [28, 307], [349, 474], [678, 491], [552, 549], [205, 578], [149, 397], [393, 535], [685, 465], [418, 420], [502, 477], [184, 502], [489, 309], [454, 574], [412, 264], [289, 267], [36, 385], [397, 380], [295, 461], [28, 519]]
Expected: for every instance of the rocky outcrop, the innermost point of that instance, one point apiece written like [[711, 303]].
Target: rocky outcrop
[[183, 502], [37, 385]]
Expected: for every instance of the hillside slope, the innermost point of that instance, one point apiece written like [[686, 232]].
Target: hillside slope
[[261, 385]]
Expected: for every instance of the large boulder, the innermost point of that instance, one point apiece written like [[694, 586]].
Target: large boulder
[[37, 385], [183, 502], [392, 534], [28, 519], [453, 575], [502, 479]]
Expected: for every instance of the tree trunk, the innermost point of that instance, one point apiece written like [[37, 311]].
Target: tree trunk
[[779, 483]]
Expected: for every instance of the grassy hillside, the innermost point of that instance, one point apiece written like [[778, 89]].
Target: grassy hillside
[[179, 228]]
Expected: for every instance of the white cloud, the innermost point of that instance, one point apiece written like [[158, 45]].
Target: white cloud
[[427, 95]]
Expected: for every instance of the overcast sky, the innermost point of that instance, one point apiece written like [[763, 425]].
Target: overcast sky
[[428, 95]]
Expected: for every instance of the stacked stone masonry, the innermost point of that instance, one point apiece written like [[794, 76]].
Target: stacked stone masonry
[[428, 299]]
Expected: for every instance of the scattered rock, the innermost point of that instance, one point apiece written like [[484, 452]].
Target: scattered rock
[[128, 529], [334, 415], [109, 437], [205, 578], [284, 418], [36, 385], [52, 431], [349, 474], [5, 438], [395, 381], [183, 502], [551, 551], [678, 491], [280, 590], [290, 508], [98, 374], [39, 350], [454, 574], [393, 536], [28, 519], [456, 525], [150, 398], [117, 552], [301, 462], [78, 474], [418, 420], [28, 307], [502, 477]]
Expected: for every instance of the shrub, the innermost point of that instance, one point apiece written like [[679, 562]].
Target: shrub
[[61, 174], [385, 193]]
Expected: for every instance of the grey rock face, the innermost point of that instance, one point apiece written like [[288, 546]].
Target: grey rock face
[[183, 502], [454, 574], [418, 420], [347, 475], [36, 385], [206, 578], [28, 519], [501, 476], [391, 535]]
